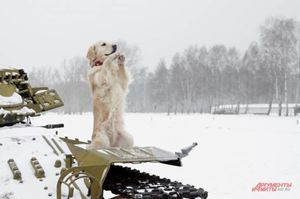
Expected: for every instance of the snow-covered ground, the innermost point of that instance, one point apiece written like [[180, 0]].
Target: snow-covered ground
[[235, 152]]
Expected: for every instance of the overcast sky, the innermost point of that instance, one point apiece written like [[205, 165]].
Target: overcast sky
[[45, 32]]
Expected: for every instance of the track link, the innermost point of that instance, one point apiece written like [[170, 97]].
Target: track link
[[131, 183]]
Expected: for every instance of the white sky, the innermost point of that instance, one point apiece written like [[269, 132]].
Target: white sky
[[45, 32]]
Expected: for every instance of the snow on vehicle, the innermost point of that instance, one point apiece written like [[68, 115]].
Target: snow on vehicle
[[35, 162]]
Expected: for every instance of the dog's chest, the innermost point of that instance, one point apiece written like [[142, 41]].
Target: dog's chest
[[104, 85], [101, 78]]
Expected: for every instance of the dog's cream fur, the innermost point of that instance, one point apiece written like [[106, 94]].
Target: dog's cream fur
[[108, 80]]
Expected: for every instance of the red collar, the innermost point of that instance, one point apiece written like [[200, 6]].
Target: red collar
[[97, 63]]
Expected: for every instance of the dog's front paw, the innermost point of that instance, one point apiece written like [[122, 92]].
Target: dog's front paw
[[111, 58], [121, 59]]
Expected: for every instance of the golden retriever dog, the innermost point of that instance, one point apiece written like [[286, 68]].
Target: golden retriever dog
[[108, 79]]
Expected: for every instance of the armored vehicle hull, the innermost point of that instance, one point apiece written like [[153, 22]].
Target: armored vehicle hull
[[54, 167], [36, 163]]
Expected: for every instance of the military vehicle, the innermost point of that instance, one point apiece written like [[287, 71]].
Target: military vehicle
[[35, 162]]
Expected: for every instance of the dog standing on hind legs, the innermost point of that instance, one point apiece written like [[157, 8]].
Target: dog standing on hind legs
[[108, 79]]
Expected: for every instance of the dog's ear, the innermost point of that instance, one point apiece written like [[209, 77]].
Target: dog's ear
[[91, 54]]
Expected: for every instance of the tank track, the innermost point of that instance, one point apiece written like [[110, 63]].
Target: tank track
[[131, 183]]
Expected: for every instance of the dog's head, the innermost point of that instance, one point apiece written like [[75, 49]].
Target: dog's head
[[98, 52]]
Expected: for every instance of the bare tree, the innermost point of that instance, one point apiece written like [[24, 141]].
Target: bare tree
[[278, 41], [176, 82], [217, 63], [297, 65], [160, 85], [198, 78]]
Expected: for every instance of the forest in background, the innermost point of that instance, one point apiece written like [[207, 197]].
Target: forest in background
[[198, 78]]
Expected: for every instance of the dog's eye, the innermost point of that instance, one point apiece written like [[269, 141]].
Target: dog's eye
[[104, 44]]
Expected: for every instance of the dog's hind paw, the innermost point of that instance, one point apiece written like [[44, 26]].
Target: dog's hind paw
[[90, 146]]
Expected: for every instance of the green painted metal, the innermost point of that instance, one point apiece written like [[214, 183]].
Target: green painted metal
[[14, 169], [93, 165], [117, 155], [57, 146], [57, 164], [38, 170], [49, 144], [36, 99]]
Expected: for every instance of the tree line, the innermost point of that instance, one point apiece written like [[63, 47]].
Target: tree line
[[200, 78]]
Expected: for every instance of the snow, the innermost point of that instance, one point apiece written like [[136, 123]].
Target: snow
[[3, 112], [41, 91], [11, 100], [234, 152], [21, 144], [24, 111]]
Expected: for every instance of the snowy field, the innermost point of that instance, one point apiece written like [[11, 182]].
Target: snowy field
[[234, 154]]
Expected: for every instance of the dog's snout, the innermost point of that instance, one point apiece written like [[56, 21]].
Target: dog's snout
[[114, 47]]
